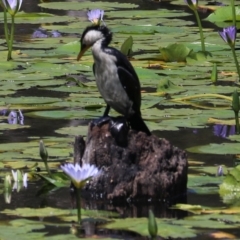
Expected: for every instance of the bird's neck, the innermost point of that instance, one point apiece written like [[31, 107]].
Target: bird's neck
[[99, 47]]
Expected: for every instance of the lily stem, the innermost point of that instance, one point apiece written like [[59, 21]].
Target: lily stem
[[9, 57], [236, 60], [200, 29], [237, 122], [233, 12], [6, 27], [47, 168], [202, 96], [79, 204]]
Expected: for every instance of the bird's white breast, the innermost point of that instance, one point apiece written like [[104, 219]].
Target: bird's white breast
[[108, 82]]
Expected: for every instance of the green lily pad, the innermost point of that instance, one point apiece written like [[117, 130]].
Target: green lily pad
[[73, 131], [212, 148], [29, 100], [38, 212], [139, 225], [223, 14], [23, 229], [86, 5]]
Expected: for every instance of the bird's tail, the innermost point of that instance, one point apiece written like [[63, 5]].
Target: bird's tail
[[137, 123]]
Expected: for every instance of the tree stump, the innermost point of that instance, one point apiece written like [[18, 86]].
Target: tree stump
[[146, 167]]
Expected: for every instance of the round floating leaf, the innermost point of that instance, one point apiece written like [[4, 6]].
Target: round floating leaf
[[22, 228], [64, 114], [146, 14], [223, 14], [30, 100], [86, 5], [34, 18], [36, 212], [73, 131], [212, 148], [139, 225]]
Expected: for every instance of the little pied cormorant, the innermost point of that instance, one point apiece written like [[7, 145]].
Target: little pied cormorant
[[116, 78]]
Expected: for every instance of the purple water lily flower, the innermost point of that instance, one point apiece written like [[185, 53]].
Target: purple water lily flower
[[220, 171], [229, 35], [12, 6], [79, 175], [193, 4], [223, 131], [95, 16]]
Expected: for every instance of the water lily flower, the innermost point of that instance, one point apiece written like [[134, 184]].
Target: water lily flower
[[219, 171], [16, 117], [229, 35], [223, 131], [18, 176], [79, 175], [193, 4], [12, 6], [19, 179], [95, 16]]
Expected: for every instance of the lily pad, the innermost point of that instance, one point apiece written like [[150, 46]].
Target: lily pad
[[223, 14], [86, 5], [213, 148]]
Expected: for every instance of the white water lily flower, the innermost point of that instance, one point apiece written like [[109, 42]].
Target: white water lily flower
[[18, 176], [25, 178], [79, 175], [15, 176], [12, 6]]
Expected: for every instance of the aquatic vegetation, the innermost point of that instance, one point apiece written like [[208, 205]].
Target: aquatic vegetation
[[223, 131], [193, 5], [186, 95], [233, 12], [12, 7], [229, 36], [214, 75], [236, 108], [79, 175], [152, 225], [44, 155]]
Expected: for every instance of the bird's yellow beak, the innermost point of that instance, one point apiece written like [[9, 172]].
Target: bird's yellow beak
[[82, 51]]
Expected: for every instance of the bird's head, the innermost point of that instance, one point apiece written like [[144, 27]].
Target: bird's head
[[91, 35]]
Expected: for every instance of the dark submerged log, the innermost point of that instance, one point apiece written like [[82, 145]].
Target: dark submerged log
[[146, 167]]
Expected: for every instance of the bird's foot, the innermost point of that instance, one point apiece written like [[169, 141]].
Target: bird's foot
[[118, 128], [100, 121]]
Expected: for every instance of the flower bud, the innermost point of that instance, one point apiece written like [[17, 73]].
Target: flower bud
[[235, 102], [152, 225], [43, 151], [214, 76]]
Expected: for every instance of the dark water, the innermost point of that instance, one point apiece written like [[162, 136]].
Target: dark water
[[183, 138]]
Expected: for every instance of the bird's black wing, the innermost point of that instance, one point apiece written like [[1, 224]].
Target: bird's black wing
[[128, 79], [93, 69]]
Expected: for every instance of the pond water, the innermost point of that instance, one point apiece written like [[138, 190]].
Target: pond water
[[41, 82]]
